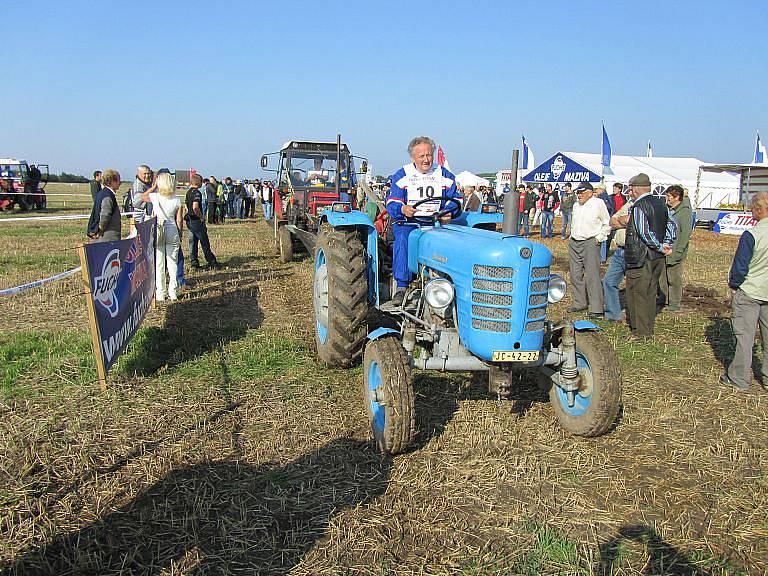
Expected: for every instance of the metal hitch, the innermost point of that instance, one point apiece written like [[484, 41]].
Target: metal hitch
[[569, 371]]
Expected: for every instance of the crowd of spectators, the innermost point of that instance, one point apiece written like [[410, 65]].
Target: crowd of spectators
[[155, 194]]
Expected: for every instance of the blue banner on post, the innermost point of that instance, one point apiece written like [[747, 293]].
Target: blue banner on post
[[605, 156], [560, 168], [121, 278]]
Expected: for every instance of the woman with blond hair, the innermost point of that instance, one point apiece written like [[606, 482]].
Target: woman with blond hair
[[167, 207]]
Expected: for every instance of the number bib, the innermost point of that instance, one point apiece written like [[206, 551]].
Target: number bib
[[421, 186]]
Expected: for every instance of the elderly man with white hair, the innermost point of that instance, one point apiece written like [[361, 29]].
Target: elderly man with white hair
[[141, 184], [418, 180]]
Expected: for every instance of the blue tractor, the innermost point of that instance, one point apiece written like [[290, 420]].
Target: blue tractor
[[478, 303]]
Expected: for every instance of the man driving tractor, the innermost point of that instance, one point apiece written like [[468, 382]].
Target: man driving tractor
[[414, 182]]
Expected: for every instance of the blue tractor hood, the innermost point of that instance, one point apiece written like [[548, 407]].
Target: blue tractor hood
[[500, 280]]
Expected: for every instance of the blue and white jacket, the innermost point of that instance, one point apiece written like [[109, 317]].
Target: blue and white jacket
[[405, 190]]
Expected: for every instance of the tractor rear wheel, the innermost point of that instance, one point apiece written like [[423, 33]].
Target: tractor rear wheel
[[388, 395], [598, 401], [284, 245], [340, 288]]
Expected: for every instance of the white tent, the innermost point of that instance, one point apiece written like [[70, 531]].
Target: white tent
[[706, 189], [466, 178]]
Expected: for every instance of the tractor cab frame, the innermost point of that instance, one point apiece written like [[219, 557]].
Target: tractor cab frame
[[311, 177]]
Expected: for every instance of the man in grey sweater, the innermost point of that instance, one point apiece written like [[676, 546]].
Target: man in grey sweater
[[141, 184]]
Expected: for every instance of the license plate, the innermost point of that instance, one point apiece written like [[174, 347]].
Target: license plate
[[515, 356]]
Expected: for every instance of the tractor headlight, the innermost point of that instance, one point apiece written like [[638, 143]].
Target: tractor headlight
[[556, 289], [439, 293]]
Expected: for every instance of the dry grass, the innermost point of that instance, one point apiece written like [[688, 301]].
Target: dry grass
[[222, 447]]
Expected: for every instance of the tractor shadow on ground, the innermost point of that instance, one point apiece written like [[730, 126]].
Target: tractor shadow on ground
[[235, 276], [241, 260], [436, 401], [192, 327], [438, 396], [221, 517], [660, 556], [720, 336]]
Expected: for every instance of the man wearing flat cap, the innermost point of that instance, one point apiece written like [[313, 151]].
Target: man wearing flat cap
[[651, 231], [589, 229]]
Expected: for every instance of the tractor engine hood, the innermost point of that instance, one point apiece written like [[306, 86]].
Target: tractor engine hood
[[501, 284]]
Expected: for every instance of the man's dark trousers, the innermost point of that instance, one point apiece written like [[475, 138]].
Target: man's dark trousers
[[642, 287], [199, 233]]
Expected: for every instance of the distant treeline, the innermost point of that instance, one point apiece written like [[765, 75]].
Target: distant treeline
[[66, 177]]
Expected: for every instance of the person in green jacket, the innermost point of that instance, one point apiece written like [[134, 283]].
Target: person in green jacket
[[671, 279]]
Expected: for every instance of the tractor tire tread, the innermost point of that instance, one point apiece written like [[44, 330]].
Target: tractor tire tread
[[400, 425], [347, 297]]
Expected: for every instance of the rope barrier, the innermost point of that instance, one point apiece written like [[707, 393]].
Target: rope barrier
[[42, 193], [64, 217], [37, 283]]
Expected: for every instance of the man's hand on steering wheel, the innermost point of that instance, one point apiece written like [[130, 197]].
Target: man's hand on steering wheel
[[445, 215]]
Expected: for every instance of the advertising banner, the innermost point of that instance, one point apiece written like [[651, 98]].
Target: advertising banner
[[120, 279], [734, 222], [560, 168]]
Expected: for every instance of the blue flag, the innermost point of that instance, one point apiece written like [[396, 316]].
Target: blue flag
[[528, 161], [606, 154], [760, 157]]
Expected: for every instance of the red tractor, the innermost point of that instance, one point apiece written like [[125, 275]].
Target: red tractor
[[311, 177]]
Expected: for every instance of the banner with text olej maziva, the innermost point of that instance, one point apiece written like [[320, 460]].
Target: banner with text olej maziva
[[122, 280]]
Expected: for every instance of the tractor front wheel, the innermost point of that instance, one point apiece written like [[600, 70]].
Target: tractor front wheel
[[598, 401], [388, 395]]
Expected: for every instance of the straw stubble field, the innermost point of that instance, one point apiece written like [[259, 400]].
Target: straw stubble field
[[223, 447]]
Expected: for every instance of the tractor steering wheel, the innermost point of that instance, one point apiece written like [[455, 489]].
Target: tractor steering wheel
[[453, 211]]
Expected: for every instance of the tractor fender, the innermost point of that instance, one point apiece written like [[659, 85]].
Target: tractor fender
[[360, 220], [354, 218], [379, 332], [585, 326]]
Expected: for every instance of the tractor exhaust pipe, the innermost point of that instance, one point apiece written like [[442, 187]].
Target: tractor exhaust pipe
[[511, 220]]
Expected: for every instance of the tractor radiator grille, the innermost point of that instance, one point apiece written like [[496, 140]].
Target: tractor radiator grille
[[491, 285], [493, 271], [495, 313], [534, 326], [534, 313], [537, 299], [539, 286], [489, 326], [538, 273], [494, 299]]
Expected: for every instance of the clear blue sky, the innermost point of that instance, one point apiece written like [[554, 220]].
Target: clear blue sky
[[214, 85]]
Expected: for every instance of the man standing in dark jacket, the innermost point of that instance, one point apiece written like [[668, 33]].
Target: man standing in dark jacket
[[210, 195], [549, 204], [198, 233], [651, 231], [96, 184], [104, 224]]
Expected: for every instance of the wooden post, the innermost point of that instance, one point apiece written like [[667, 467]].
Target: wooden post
[[94, 327]]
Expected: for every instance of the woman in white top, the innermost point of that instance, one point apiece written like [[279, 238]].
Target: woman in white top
[[167, 207]]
